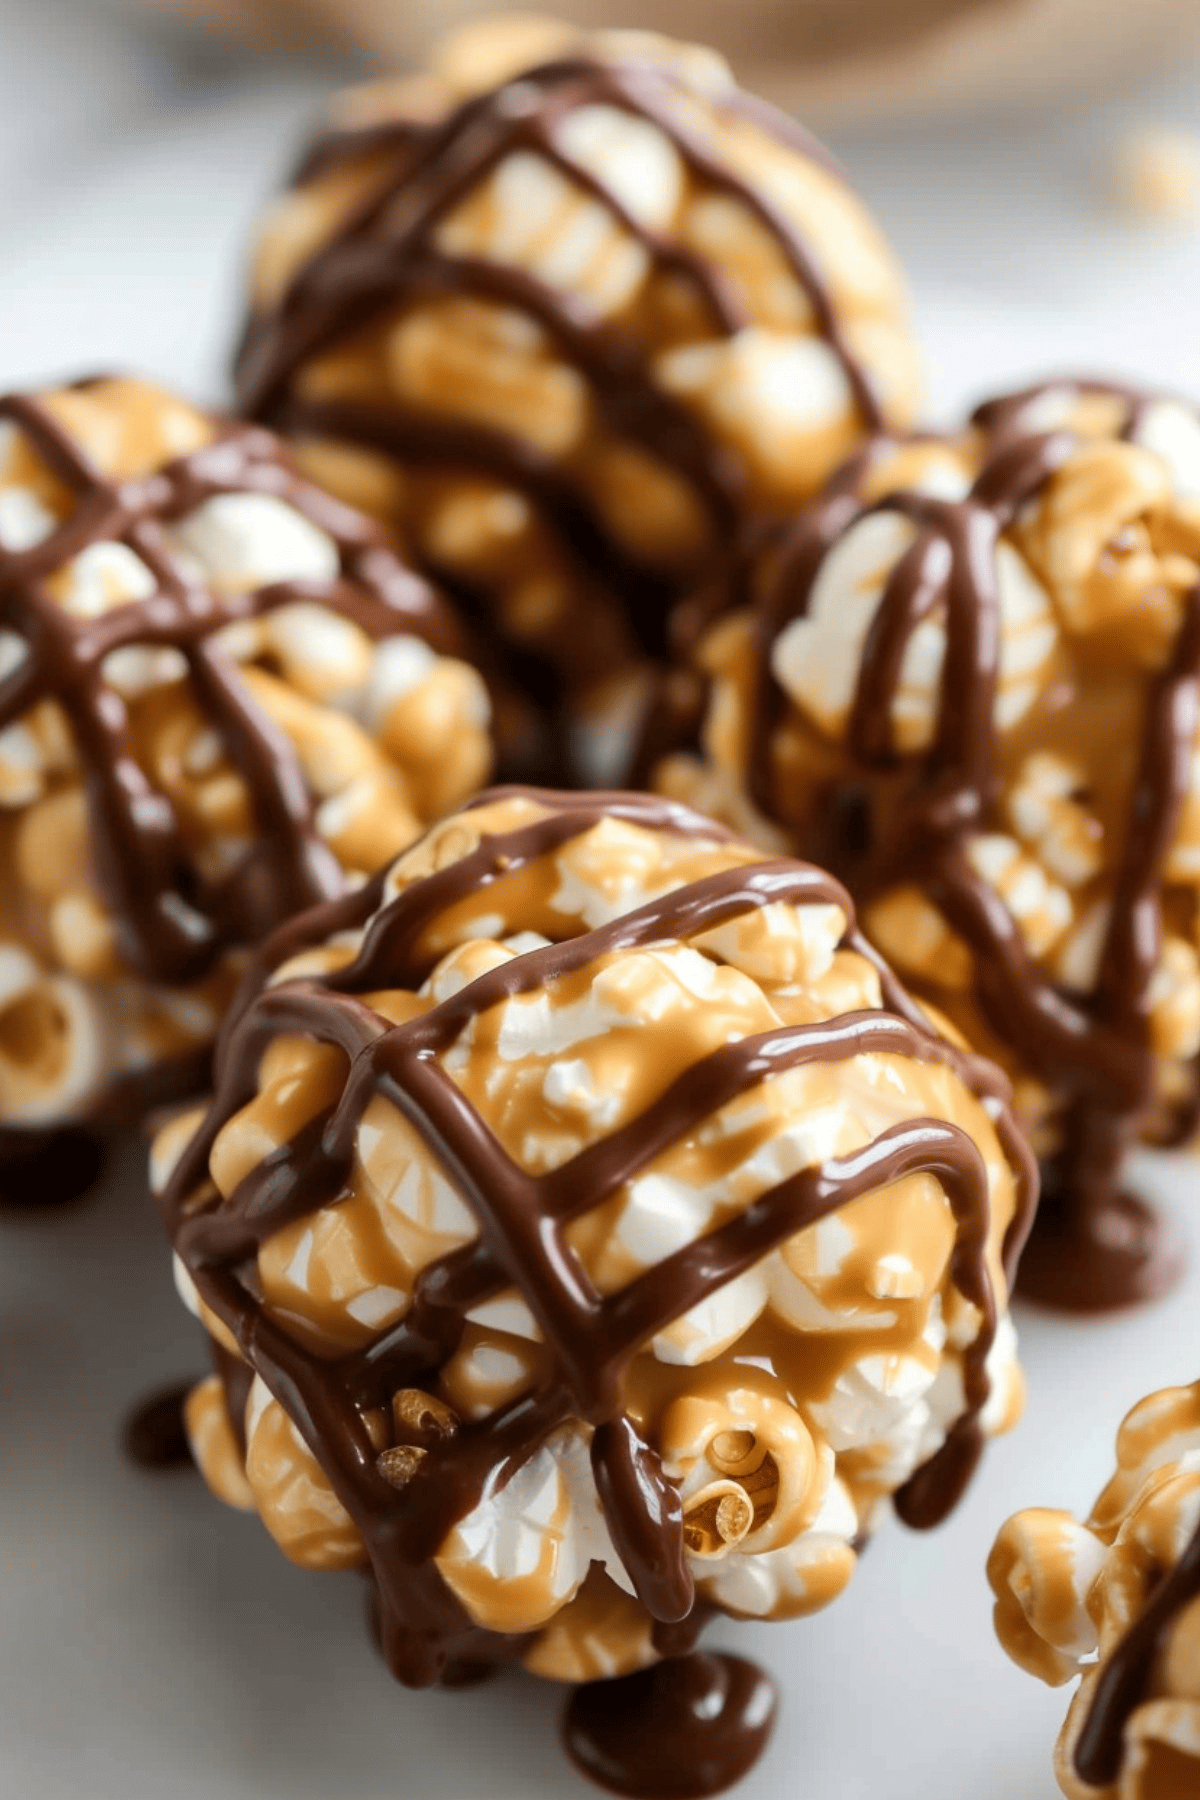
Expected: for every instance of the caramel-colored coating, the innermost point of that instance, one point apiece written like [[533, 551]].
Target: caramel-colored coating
[[789, 1405], [770, 396], [387, 734], [1067, 1595], [1093, 574]]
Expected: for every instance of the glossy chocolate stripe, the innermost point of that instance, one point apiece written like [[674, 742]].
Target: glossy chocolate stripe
[[172, 924], [588, 1339]]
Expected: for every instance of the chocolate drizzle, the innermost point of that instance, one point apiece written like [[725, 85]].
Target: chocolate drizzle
[[388, 254], [681, 1730], [1122, 1683], [522, 1220], [172, 924], [1093, 1247]]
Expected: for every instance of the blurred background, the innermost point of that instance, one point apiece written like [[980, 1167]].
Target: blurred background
[[1035, 162]]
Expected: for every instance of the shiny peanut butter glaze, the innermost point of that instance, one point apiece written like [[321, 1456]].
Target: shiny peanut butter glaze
[[565, 311], [967, 681], [1117, 1600], [593, 1235], [223, 697]]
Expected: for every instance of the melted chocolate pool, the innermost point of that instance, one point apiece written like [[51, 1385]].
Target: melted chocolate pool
[[678, 1731], [155, 1436], [40, 1170]]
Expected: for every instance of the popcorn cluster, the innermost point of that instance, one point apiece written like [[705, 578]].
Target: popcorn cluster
[[967, 681], [564, 312], [1116, 1600], [222, 697], [591, 1232]]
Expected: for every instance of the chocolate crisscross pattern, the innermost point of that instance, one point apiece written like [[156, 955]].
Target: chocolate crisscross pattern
[[521, 1219], [387, 254], [1094, 1049], [172, 924]]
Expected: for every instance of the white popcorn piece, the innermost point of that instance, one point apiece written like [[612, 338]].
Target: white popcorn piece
[[137, 669], [244, 541], [398, 665], [25, 522], [1077, 956], [543, 1524], [768, 393], [1066, 838], [290, 1493], [22, 766], [326, 655], [630, 156], [706, 1330], [1041, 907], [101, 578], [1172, 432], [1050, 1566], [545, 224], [817, 658], [795, 1578], [1173, 999]]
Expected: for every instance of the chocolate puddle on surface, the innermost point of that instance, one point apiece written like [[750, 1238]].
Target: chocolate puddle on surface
[[154, 1435], [43, 1170], [680, 1730]]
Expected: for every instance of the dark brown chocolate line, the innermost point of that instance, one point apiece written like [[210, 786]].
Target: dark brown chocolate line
[[1123, 1681], [1130, 957], [588, 1339], [172, 925], [1091, 1048], [385, 253]]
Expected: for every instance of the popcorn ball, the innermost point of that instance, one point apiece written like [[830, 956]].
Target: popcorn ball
[[966, 680], [1117, 1601], [593, 1236], [564, 312], [222, 698]]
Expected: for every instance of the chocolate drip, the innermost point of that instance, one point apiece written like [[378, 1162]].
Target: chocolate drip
[[155, 1436], [1093, 1049], [645, 1509], [522, 1219], [387, 255], [173, 924], [43, 1170], [1123, 1681], [681, 1730]]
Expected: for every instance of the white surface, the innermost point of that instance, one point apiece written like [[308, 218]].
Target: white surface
[[152, 1643]]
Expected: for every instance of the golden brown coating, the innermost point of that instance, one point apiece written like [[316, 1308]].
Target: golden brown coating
[[1076, 1599], [562, 312], [222, 697], [967, 680], [726, 1060]]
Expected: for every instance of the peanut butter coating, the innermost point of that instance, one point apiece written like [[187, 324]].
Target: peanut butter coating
[[593, 1236], [223, 697], [966, 679], [1116, 1600], [565, 312]]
